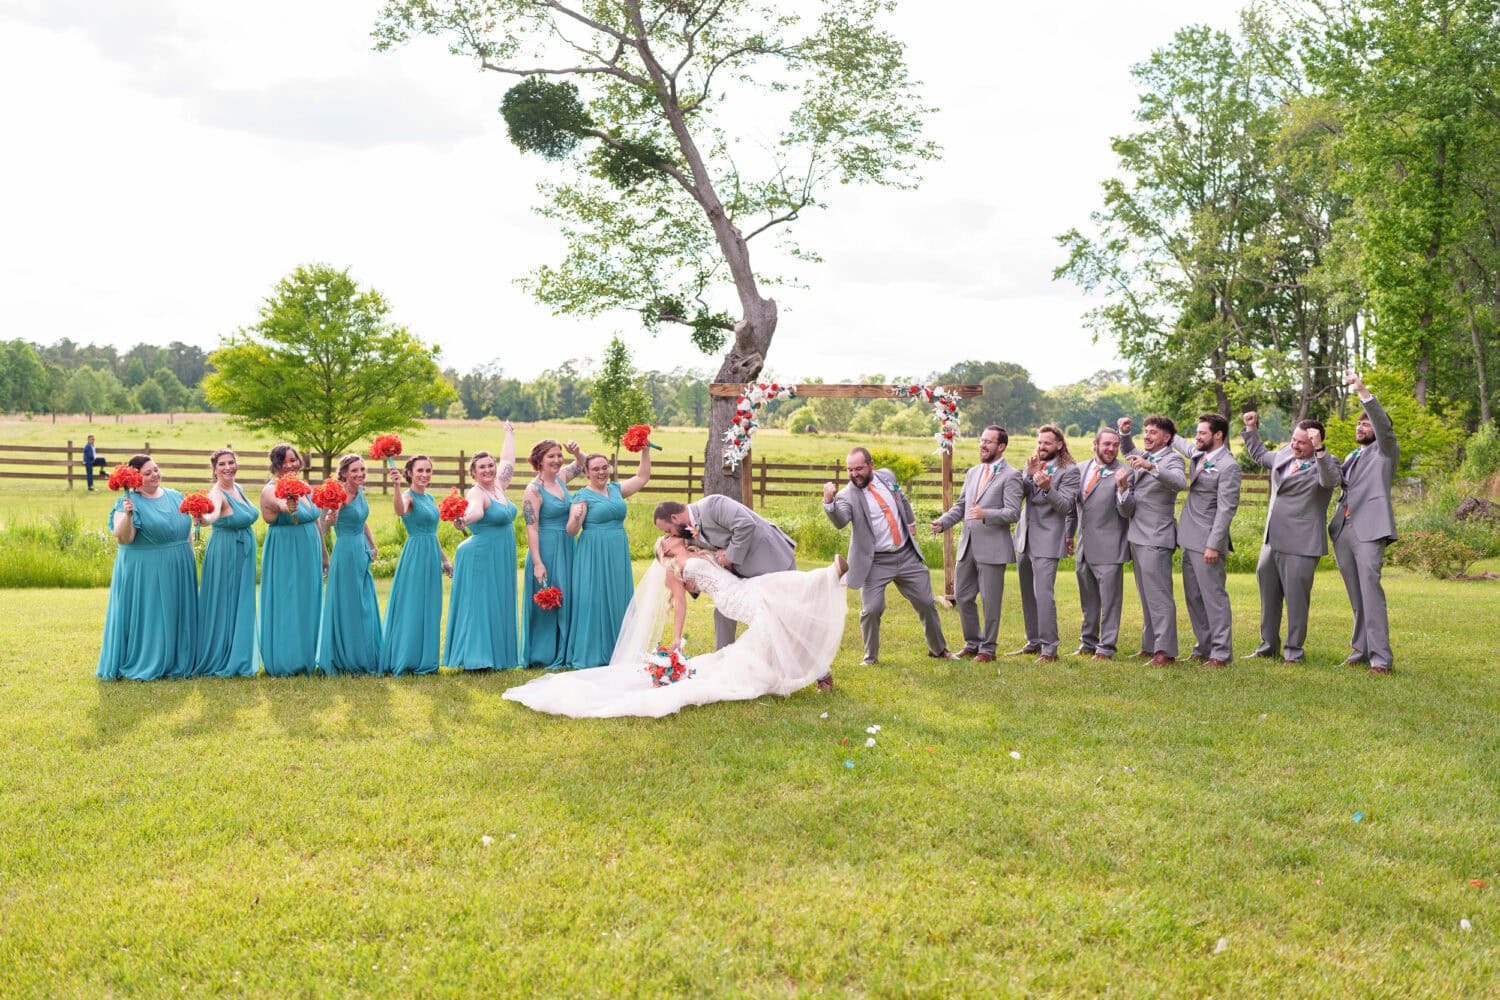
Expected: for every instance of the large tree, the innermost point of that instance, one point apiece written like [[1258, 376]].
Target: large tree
[[646, 101], [324, 368]]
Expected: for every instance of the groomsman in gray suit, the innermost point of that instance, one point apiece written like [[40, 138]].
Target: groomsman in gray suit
[[1203, 532], [1151, 504], [1303, 477], [882, 550], [988, 504], [1100, 521], [1051, 488], [741, 540], [1364, 523]]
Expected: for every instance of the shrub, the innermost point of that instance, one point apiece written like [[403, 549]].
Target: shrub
[[1435, 553], [906, 467], [1481, 455]]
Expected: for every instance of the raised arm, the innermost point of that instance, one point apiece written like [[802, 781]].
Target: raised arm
[[835, 506], [574, 467], [399, 500], [1253, 444], [642, 476], [507, 469]]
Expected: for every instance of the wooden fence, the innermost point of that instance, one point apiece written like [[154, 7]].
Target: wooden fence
[[188, 468]]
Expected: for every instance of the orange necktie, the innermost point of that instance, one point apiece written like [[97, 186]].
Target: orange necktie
[[1093, 481], [984, 478], [890, 516]]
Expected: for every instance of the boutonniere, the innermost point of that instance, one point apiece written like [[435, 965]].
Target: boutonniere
[[693, 531], [1207, 466]]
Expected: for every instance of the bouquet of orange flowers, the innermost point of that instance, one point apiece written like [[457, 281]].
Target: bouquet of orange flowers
[[330, 496], [196, 505], [388, 447], [452, 509], [548, 598], [637, 438], [291, 488]]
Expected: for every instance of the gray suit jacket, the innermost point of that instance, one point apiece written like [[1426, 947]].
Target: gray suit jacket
[[754, 545], [1098, 519], [1047, 513], [1151, 502], [1365, 504], [1299, 500], [1213, 496], [848, 507], [1001, 502]]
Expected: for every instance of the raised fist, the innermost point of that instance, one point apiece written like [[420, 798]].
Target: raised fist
[[830, 490], [1123, 425], [1251, 419]]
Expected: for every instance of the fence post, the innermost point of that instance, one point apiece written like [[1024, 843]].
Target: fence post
[[747, 482], [461, 468], [762, 481], [148, 449], [70, 463], [689, 490]]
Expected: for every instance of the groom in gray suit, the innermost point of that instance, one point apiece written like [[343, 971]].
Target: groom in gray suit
[[1098, 517], [882, 550], [1150, 503], [987, 506], [741, 541], [1303, 477], [1364, 523], [1203, 532]]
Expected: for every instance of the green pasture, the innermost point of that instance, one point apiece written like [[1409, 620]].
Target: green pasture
[[1260, 830]]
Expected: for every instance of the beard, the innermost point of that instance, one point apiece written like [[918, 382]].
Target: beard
[[1363, 436], [859, 480], [684, 532]]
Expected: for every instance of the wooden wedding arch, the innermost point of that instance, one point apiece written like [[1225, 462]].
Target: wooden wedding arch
[[734, 390]]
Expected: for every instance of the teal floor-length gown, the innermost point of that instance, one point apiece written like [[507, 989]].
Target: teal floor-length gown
[[226, 594], [291, 593], [414, 614], [482, 607], [349, 638], [602, 581], [151, 624], [545, 636]]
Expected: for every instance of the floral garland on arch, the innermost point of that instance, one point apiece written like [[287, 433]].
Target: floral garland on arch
[[751, 400], [944, 408]]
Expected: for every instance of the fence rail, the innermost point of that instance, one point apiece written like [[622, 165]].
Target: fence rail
[[63, 464]]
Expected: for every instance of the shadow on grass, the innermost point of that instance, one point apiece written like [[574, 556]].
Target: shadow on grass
[[122, 707]]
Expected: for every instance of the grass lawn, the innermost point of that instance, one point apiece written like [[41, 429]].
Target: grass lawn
[[1162, 833]]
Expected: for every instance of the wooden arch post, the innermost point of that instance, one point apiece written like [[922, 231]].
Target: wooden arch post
[[733, 390]]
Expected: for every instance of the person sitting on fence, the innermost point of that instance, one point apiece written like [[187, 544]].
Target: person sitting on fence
[[92, 460]]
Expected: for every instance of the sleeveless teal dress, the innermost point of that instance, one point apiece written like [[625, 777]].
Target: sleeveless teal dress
[[291, 593], [151, 624], [482, 607], [602, 579], [545, 636], [414, 615], [349, 641], [226, 595]]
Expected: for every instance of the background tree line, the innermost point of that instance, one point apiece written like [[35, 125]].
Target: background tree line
[[1318, 190]]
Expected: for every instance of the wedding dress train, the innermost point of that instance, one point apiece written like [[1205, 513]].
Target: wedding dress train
[[795, 622]]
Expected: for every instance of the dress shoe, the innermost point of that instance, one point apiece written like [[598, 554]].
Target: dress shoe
[[1379, 670], [944, 655], [1046, 658], [967, 654], [1026, 650], [1162, 660], [1212, 663], [1143, 655], [867, 662], [985, 658], [825, 683], [1101, 656], [1266, 654]]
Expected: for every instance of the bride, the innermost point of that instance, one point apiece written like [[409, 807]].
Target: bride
[[795, 623]]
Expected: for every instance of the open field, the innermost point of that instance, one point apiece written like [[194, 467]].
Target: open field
[[1262, 830]]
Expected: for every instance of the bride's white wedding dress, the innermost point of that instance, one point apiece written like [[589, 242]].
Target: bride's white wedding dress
[[794, 621]]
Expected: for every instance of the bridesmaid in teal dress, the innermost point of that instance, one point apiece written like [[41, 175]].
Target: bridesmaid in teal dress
[[292, 564], [482, 607], [226, 595], [150, 626], [414, 614], [549, 553], [349, 642], [602, 578]]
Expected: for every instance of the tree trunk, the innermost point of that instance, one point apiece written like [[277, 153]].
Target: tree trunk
[[742, 363], [1478, 342]]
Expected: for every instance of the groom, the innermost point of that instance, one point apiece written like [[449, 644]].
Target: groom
[[740, 540]]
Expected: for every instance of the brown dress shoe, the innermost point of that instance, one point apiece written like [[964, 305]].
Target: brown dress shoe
[[1162, 660], [1045, 658], [985, 658], [967, 654], [1212, 663], [825, 683], [1101, 656], [1379, 670], [1026, 650]]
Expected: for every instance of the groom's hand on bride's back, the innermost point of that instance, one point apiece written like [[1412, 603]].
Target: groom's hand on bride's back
[[830, 490]]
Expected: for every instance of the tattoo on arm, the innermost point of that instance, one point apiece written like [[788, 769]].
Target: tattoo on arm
[[528, 509], [507, 470], [568, 471]]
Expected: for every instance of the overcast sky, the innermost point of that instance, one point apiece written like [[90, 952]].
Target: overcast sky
[[169, 161]]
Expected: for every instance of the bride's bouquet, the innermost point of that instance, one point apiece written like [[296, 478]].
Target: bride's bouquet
[[668, 666]]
